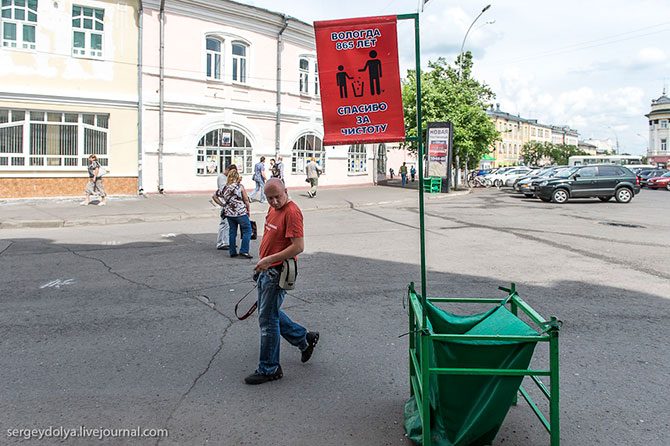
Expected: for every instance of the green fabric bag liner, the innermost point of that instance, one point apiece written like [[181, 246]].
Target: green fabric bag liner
[[468, 410]]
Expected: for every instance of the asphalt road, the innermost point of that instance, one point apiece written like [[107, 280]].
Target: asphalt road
[[133, 325]]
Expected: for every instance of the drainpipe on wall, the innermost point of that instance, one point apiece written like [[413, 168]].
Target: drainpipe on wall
[[161, 97], [278, 116], [140, 101]]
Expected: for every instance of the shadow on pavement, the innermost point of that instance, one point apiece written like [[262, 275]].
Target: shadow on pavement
[[129, 336]]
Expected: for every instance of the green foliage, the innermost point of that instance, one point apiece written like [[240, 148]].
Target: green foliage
[[535, 153], [447, 97]]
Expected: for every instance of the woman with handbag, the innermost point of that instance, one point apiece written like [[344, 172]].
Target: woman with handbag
[[95, 174], [235, 202]]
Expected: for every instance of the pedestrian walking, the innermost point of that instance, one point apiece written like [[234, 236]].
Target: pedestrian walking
[[235, 202], [259, 178], [412, 173], [94, 184], [391, 171], [280, 168], [224, 227], [403, 174], [313, 172], [283, 240]]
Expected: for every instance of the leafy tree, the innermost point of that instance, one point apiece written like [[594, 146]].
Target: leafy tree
[[560, 153], [446, 96], [534, 153]]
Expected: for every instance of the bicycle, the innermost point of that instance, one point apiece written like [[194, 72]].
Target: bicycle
[[475, 180]]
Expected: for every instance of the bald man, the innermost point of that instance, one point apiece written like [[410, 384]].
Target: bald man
[[282, 239]]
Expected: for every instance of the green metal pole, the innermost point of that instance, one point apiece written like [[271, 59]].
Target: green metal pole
[[423, 339], [419, 151], [420, 154], [425, 391], [412, 345], [554, 406]]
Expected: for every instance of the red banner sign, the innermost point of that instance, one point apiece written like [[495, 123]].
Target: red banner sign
[[359, 78]]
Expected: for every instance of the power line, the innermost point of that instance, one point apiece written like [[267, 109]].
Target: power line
[[592, 43]]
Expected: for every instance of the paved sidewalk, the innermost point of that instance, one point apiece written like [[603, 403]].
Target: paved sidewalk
[[61, 212]]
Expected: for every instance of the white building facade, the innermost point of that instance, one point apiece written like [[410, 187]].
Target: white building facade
[[68, 89], [235, 83], [659, 131], [165, 93]]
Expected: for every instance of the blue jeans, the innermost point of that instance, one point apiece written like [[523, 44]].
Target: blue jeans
[[245, 224], [273, 322], [404, 178], [260, 189]]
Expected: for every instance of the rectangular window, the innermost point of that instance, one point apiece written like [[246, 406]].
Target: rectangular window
[[304, 76], [239, 62], [358, 159], [19, 19], [213, 58], [316, 79], [664, 124], [87, 31], [54, 139], [664, 145]]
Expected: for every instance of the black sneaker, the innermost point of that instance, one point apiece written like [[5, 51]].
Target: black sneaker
[[312, 340], [246, 255], [259, 378]]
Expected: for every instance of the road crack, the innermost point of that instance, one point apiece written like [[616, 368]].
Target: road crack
[[6, 247]]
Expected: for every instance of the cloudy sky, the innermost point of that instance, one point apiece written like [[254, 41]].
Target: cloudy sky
[[592, 64]]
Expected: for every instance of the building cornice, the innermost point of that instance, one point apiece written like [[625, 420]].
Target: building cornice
[[665, 112], [70, 100], [240, 16], [242, 111]]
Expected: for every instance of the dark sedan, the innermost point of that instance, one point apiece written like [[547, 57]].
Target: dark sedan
[[603, 181]]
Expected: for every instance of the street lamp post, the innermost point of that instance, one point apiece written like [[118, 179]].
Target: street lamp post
[[616, 138], [646, 144], [460, 71]]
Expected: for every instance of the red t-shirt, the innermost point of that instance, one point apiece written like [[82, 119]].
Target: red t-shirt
[[280, 227]]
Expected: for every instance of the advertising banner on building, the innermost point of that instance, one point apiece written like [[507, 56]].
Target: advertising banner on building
[[439, 144], [359, 80]]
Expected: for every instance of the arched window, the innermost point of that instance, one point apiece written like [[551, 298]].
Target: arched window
[[381, 159], [214, 58], [304, 76], [239, 62], [358, 159], [220, 148], [306, 147]]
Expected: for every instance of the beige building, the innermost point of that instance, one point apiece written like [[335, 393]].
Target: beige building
[[515, 131], [659, 131], [512, 129], [68, 71], [563, 134]]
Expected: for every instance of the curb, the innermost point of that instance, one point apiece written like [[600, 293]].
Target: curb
[[179, 216]]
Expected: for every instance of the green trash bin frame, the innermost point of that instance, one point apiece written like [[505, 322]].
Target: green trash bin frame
[[432, 185], [421, 334]]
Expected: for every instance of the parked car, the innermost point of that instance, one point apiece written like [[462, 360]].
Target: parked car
[[509, 178], [659, 182], [644, 175], [527, 185], [497, 178], [603, 181]]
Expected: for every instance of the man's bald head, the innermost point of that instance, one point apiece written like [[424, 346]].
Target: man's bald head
[[276, 193]]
